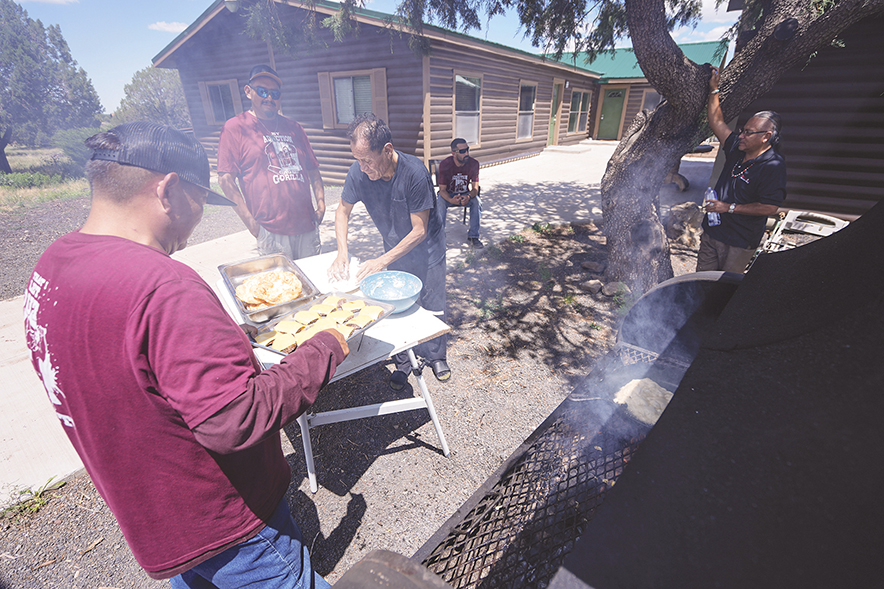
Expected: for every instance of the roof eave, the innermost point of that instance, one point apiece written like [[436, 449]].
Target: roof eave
[[164, 57]]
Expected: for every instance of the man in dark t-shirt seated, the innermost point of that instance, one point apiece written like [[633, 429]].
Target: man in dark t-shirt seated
[[398, 194], [751, 187], [458, 179]]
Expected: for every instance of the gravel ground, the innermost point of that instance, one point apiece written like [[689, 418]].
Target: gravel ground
[[525, 329]]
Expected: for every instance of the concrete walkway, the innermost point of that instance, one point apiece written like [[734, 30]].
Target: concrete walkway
[[558, 186]]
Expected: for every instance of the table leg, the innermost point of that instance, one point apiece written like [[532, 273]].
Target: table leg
[[425, 393], [308, 452]]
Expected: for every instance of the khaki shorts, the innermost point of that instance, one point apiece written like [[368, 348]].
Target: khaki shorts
[[293, 246], [715, 255]]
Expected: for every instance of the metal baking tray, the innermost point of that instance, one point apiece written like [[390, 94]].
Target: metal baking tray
[[234, 274], [388, 310]]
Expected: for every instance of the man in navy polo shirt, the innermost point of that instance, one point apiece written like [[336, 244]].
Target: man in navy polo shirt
[[751, 187]]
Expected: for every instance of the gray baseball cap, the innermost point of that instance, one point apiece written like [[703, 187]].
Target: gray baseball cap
[[162, 149]]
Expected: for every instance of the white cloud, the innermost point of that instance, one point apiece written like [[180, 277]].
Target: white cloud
[[711, 14], [167, 27]]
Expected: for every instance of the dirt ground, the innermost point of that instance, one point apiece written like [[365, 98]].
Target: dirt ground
[[525, 329]]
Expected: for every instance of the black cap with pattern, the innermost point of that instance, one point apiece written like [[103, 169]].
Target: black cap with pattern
[[162, 149]]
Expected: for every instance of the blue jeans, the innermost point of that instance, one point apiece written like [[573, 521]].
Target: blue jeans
[[475, 206], [275, 558]]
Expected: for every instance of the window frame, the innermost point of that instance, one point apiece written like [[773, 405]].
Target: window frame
[[467, 74], [328, 104], [645, 93], [206, 99], [587, 98], [520, 113]]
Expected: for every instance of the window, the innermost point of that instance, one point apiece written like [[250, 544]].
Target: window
[[352, 97], [650, 100], [467, 101], [525, 127], [221, 100], [343, 95], [579, 111]]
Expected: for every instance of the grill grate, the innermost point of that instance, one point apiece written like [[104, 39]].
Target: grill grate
[[521, 530]]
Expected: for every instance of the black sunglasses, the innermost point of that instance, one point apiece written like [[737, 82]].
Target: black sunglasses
[[464, 150], [748, 133], [264, 92]]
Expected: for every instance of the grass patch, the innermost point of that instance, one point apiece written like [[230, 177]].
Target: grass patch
[[16, 198], [490, 307], [38, 176], [30, 501], [517, 238]]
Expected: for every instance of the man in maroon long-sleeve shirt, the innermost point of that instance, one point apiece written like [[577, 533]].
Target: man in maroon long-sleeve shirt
[[157, 387]]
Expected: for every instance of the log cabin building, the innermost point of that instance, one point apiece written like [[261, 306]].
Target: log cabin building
[[507, 103], [624, 91]]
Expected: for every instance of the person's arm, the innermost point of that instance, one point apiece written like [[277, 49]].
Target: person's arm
[[231, 191], [318, 193], [275, 397], [754, 209], [713, 109], [474, 190], [419, 223], [444, 178], [340, 268]]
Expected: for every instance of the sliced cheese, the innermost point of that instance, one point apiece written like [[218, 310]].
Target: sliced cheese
[[333, 300], [283, 341], [322, 309], [265, 338], [306, 317], [346, 330], [360, 321], [289, 326], [372, 311], [353, 305], [340, 315]]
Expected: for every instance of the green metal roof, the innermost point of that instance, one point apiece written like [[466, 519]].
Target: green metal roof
[[622, 64]]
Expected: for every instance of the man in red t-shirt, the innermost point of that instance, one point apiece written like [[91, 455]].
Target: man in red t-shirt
[[274, 163], [157, 387], [458, 179]]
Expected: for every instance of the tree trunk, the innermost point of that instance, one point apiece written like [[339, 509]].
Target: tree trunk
[[638, 250], [4, 141]]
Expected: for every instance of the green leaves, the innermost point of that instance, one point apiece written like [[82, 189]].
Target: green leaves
[[42, 89]]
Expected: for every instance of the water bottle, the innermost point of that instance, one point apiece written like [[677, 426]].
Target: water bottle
[[712, 218]]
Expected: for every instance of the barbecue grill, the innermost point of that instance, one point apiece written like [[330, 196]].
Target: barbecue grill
[[764, 471], [517, 529]]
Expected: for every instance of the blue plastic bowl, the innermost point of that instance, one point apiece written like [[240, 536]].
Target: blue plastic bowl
[[399, 289]]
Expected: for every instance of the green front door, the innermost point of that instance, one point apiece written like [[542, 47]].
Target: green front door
[[612, 108], [553, 137]]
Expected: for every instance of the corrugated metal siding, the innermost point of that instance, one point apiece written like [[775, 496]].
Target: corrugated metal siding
[[833, 124]]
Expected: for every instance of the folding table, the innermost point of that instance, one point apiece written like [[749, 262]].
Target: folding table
[[394, 334]]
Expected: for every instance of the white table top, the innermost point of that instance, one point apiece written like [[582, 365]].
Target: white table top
[[394, 334]]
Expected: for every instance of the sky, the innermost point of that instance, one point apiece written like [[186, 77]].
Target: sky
[[113, 39]]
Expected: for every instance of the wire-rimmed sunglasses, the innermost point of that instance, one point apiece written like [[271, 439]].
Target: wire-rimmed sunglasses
[[264, 92], [749, 133]]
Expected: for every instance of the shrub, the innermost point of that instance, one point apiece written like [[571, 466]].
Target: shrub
[[28, 179]]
